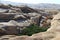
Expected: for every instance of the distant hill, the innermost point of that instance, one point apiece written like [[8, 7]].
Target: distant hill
[[12, 3], [41, 5], [46, 5]]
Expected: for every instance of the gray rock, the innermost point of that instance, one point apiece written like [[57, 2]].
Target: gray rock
[[4, 6], [35, 17], [13, 27], [3, 10]]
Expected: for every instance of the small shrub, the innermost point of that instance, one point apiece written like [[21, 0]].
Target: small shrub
[[10, 5], [32, 30]]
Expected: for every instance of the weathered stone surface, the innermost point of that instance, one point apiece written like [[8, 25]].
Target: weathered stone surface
[[26, 9], [5, 6], [7, 16], [3, 10], [55, 24], [20, 38], [23, 16], [19, 17], [6, 37], [52, 33], [13, 27], [35, 17], [15, 10]]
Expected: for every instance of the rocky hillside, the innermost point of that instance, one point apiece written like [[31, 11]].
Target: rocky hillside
[[53, 33], [13, 19]]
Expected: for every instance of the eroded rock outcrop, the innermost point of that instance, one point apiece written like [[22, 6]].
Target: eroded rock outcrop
[[51, 34], [13, 27], [4, 6], [12, 22]]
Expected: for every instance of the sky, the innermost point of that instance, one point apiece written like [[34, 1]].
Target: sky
[[35, 1]]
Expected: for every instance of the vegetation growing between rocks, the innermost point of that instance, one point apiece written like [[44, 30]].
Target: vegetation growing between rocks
[[33, 29]]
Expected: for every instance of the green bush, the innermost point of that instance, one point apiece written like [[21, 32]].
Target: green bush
[[32, 30], [10, 5]]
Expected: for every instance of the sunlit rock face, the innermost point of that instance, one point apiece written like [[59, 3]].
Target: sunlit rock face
[[55, 23], [53, 33]]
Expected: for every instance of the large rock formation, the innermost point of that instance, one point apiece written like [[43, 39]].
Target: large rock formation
[[13, 23], [52, 33], [13, 27], [5, 6], [4, 11], [13, 20], [7, 16], [35, 17]]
